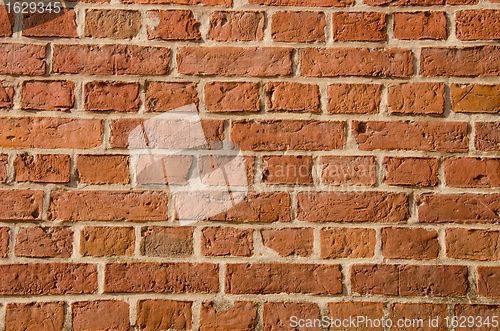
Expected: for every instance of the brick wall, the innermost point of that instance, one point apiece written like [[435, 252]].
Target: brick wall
[[370, 138]]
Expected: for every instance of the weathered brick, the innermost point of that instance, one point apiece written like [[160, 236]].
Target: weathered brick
[[232, 97], [472, 244], [359, 26], [416, 312], [100, 315], [420, 25], [185, 2], [167, 241], [418, 2], [475, 98], [44, 242], [308, 3], [173, 25], [370, 310], [293, 97], [239, 171], [112, 96], [165, 96], [411, 171], [354, 98], [481, 172], [6, 22], [4, 160], [277, 315], [348, 170], [223, 241], [107, 241], [375, 279], [481, 313], [42, 168], [299, 26], [488, 136], [48, 95], [289, 241], [416, 98], [103, 169], [347, 243], [4, 241], [47, 316], [6, 94], [236, 26], [150, 169], [287, 169], [409, 243], [164, 314], [21, 205], [477, 24], [488, 282], [62, 24], [111, 23], [22, 59], [241, 316]]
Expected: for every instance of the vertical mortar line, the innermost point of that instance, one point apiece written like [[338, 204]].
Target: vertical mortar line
[[101, 266], [133, 303], [451, 23], [46, 204], [442, 243], [12, 241], [195, 314], [77, 235], [451, 313], [377, 252], [200, 90], [328, 27], [143, 31], [68, 318], [346, 278], [16, 100], [472, 292], [48, 58], [259, 322], [138, 240], [10, 167], [293, 205], [18, 25], [472, 134], [316, 254], [390, 29], [384, 100], [263, 97], [106, 134], [80, 20], [222, 278], [412, 207], [267, 26], [259, 249], [142, 95], [79, 104], [3, 313], [197, 242], [387, 313]]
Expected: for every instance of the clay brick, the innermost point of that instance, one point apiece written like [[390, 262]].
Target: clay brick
[[185, 2], [277, 315], [477, 24], [62, 24], [289, 241], [108, 206], [223, 241], [465, 61], [232, 97], [48, 278], [112, 96], [308, 3], [475, 98], [110, 60], [103, 169], [417, 311], [293, 97], [418, 2], [472, 244], [167, 241], [300, 26], [173, 25], [409, 243], [411, 171], [488, 136], [4, 160], [241, 316], [359, 26], [22, 59], [282, 135], [370, 310], [100, 315], [44, 242], [266, 61], [42, 168], [47, 316], [458, 208], [239, 170], [48, 95], [6, 22], [236, 26], [163, 315], [354, 98], [488, 282], [347, 243], [165, 96], [21, 205], [175, 277], [50, 132], [110, 23], [421, 136], [268, 278], [481, 172], [107, 241], [376, 207], [287, 169], [150, 169], [333, 62], [6, 94], [348, 170], [480, 312], [4, 241], [380, 279], [416, 98], [420, 25]]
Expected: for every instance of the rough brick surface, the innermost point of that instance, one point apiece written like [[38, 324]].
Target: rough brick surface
[[21, 205], [116, 24], [409, 243], [347, 243], [35, 316], [167, 241], [232, 97], [341, 311], [6, 95], [416, 98], [298, 26], [4, 159], [226, 241], [289, 241], [293, 97], [417, 311], [411, 171], [472, 244], [100, 315], [348, 170], [44, 242], [488, 136], [483, 172], [103, 169], [277, 315], [6, 22], [42, 168], [359, 26], [107, 241], [48, 95], [287, 170], [488, 284], [48, 24], [164, 314], [22, 59], [4, 241], [420, 25], [475, 98], [477, 24], [236, 26], [173, 25], [106, 96], [354, 98], [164, 96], [241, 316]]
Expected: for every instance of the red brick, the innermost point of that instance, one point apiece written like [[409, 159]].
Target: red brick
[[48, 95], [458, 208], [488, 136], [481, 172], [416, 98], [6, 94], [42, 168], [149, 170], [223, 241], [308, 3], [6, 22], [47, 316], [167, 241], [232, 97], [475, 98], [22, 59], [184, 2], [268, 278], [50, 132], [108, 206], [477, 24], [44, 242], [4, 160], [180, 277], [409, 243], [472, 244], [359, 26], [347, 243], [103, 169], [265, 61], [333, 62], [419, 2], [112, 96], [283, 96], [107, 241], [21, 205], [420, 25], [282, 135], [488, 282], [480, 312], [354, 98], [300, 26], [377, 207], [277, 315], [289, 241], [287, 169], [4, 242], [421, 136], [348, 170], [173, 25], [370, 310], [239, 173], [109, 23], [110, 60], [375, 279], [163, 315], [100, 315], [411, 171], [62, 24], [466, 61], [164, 96], [417, 311], [236, 26], [48, 278], [241, 316]]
